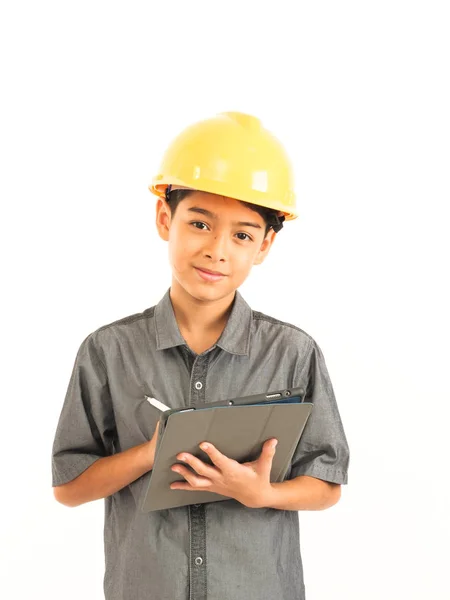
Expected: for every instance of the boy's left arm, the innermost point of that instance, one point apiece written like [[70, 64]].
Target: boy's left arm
[[302, 493]]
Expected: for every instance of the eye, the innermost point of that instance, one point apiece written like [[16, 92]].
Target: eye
[[242, 233], [198, 223]]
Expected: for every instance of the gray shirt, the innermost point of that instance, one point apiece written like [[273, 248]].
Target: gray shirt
[[218, 550]]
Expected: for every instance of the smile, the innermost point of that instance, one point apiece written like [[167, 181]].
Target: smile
[[209, 276]]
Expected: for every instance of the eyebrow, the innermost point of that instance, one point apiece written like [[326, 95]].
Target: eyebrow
[[211, 215]]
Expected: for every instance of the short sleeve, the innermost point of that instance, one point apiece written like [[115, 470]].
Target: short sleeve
[[86, 427], [322, 451]]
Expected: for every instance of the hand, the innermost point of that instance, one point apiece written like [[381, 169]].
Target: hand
[[248, 483], [151, 446]]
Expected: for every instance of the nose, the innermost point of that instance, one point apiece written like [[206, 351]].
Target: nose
[[216, 247]]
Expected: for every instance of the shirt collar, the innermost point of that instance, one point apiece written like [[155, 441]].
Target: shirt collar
[[235, 337]]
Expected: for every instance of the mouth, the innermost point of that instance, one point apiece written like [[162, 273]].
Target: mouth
[[210, 275]]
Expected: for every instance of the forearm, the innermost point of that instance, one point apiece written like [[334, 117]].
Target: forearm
[[303, 493], [106, 476]]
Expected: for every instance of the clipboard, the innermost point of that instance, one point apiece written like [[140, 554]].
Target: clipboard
[[237, 427]]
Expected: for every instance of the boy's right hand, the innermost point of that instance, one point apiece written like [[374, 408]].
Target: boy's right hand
[[152, 446]]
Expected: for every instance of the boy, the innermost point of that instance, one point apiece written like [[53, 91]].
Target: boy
[[224, 190]]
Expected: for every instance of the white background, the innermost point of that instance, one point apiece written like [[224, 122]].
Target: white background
[[92, 93]]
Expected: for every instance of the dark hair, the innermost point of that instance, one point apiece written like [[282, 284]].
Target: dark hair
[[270, 216]]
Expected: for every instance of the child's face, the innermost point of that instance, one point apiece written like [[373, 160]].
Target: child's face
[[216, 243]]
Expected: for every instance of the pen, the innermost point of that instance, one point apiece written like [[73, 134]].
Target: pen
[[157, 403]]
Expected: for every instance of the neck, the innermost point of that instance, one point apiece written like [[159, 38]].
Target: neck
[[199, 315]]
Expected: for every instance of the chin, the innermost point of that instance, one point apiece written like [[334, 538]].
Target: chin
[[207, 291]]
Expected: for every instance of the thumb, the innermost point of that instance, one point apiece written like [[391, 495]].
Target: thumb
[[265, 460], [269, 449]]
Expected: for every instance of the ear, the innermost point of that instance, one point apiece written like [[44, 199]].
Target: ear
[[163, 218], [265, 247]]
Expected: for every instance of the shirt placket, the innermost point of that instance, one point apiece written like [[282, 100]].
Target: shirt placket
[[197, 517]]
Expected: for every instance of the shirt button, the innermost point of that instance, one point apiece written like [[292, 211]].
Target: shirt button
[[198, 385], [198, 560]]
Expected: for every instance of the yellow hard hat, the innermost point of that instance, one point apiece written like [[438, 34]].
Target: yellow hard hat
[[231, 155]]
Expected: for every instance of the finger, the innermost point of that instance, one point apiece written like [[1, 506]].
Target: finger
[[194, 480], [267, 454], [220, 460], [198, 465], [270, 447], [181, 485]]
